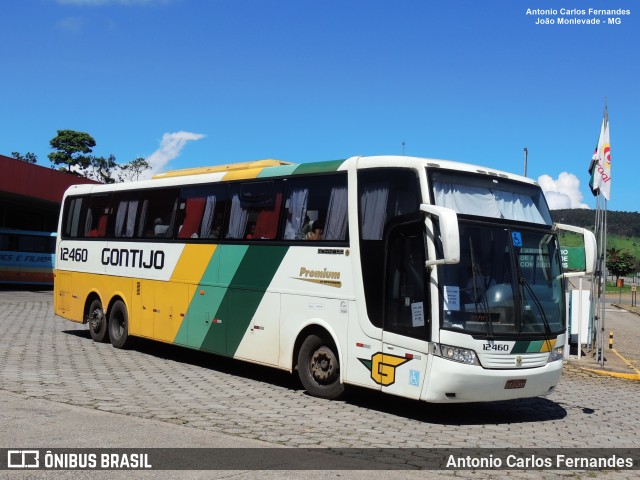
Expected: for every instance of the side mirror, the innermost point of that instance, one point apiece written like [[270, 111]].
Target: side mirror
[[449, 233], [590, 249]]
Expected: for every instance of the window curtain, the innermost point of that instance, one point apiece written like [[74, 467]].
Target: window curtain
[[267, 221], [518, 207], [337, 215], [296, 214], [373, 207], [87, 224], [238, 220], [208, 216], [192, 218], [120, 218], [131, 217], [486, 202], [466, 199]]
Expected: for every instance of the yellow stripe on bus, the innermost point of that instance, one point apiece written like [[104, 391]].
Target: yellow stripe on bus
[[193, 261], [242, 174]]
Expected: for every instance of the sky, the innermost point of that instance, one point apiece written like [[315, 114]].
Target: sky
[[187, 83]]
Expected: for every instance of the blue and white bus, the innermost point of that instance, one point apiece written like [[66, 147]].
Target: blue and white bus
[[26, 257]]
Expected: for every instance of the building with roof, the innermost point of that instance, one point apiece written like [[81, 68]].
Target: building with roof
[[31, 195]]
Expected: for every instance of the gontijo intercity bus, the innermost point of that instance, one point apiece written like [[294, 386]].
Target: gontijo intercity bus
[[369, 271]]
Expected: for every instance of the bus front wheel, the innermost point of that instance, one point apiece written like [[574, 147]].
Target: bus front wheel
[[319, 368], [97, 321], [119, 325]]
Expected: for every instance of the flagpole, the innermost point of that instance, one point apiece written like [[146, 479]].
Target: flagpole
[[604, 290], [600, 183], [595, 290]]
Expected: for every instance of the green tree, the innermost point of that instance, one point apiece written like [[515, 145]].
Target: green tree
[[73, 151], [27, 157], [131, 171], [619, 262], [101, 169]]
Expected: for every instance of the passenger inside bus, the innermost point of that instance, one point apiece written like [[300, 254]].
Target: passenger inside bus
[[251, 231], [313, 230]]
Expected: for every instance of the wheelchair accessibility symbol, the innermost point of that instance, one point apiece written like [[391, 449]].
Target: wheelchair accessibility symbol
[[516, 238]]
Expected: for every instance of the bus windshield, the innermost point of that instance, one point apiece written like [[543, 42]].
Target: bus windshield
[[508, 283]]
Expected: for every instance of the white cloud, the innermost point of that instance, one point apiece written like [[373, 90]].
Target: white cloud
[[170, 147], [563, 192]]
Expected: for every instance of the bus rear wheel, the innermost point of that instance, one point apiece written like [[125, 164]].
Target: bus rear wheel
[[119, 325], [319, 368], [97, 321]]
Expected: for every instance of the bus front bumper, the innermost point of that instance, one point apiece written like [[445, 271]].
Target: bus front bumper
[[453, 382]]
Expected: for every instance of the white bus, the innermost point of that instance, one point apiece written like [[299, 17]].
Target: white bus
[[428, 279]]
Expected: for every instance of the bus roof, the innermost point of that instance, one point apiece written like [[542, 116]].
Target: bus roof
[[222, 168], [275, 168]]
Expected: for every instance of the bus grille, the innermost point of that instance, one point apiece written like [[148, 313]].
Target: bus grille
[[528, 360]]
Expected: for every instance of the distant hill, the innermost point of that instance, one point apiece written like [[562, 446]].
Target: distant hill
[[625, 224]]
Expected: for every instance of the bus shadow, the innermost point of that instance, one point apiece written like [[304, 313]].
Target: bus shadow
[[536, 409], [207, 360]]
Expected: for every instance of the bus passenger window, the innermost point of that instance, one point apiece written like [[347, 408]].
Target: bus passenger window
[[125, 221], [73, 210], [97, 216], [201, 211], [255, 211], [157, 213], [316, 209]]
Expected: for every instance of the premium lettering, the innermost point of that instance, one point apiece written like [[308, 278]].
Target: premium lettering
[[319, 274]]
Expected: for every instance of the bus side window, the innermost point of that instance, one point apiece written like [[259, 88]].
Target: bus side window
[[97, 216], [125, 218], [157, 213], [75, 210], [255, 210], [316, 209], [201, 212]]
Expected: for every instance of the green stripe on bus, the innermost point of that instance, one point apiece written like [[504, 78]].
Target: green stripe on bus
[[243, 296], [535, 346], [281, 171], [521, 346], [208, 296], [318, 167]]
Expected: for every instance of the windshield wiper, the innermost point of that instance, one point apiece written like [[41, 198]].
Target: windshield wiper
[[481, 300], [536, 302]]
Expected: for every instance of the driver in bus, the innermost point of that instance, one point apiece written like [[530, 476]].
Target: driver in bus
[[478, 284]]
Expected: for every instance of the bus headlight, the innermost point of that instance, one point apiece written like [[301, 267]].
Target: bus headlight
[[457, 354], [556, 354]]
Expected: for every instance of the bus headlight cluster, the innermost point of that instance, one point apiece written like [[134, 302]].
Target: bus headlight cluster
[[457, 354], [556, 354]]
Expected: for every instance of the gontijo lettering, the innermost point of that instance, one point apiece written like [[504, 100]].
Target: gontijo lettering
[[132, 257]]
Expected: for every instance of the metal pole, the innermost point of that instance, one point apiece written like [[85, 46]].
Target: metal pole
[[580, 318], [604, 290], [526, 154]]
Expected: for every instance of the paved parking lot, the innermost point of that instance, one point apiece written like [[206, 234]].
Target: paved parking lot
[[52, 361]]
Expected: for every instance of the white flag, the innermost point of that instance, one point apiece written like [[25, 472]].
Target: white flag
[[601, 175]]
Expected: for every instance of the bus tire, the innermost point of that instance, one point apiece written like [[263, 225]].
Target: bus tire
[[119, 325], [97, 322], [319, 368]]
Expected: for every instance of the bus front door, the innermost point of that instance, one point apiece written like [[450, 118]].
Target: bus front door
[[406, 307]]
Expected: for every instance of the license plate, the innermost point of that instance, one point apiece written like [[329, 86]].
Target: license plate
[[515, 384]]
